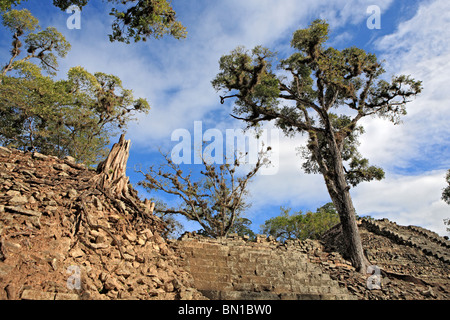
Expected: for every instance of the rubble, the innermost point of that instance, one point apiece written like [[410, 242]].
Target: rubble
[[61, 238], [44, 237]]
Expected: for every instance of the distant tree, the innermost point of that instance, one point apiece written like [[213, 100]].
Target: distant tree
[[446, 197], [72, 117], [215, 201], [304, 94], [134, 19], [174, 228], [242, 228], [447, 222], [446, 191], [301, 226]]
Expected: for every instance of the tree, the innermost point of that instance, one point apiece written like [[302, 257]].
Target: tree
[[304, 93], [242, 228], [215, 201], [137, 20], [6, 5], [446, 191], [301, 226], [72, 117]]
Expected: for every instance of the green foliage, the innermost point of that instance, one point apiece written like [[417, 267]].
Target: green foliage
[[138, 19], [301, 226], [20, 21], [446, 191], [66, 117], [6, 5], [304, 91], [249, 73]]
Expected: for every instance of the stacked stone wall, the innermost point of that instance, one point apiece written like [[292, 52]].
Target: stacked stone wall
[[236, 269]]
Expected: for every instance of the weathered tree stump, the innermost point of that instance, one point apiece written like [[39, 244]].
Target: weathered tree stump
[[112, 171], [113, 181]]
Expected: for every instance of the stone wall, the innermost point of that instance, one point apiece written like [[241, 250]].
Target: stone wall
[[234, 269], [412, 261]]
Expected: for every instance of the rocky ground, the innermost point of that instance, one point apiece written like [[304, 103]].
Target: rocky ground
[[59, 241], [51, 248], [407, 272]]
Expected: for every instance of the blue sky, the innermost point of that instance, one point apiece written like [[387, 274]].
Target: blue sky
[[175, 77]]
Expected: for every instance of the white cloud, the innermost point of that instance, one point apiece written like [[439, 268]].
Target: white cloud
[[407, 200], [418, 47], [419, 50]]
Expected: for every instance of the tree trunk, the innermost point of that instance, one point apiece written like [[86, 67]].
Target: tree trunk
[[339, 192], [350, 231], [113, 170]]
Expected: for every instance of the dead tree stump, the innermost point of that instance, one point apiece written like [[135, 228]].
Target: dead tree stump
[[112, 171], [113, 181]]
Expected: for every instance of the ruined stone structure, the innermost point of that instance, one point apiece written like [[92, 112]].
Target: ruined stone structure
[[234, 269], [63, 236]]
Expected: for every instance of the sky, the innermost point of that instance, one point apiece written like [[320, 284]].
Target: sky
[[175, 77]]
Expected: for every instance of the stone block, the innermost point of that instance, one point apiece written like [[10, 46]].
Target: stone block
[[37, 295], [67, 296]]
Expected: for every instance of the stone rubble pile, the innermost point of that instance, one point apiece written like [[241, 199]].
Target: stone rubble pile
[[48, 250], [407, 272], [429, 242]]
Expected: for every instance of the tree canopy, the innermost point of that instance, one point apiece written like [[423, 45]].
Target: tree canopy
[[135, 20], [75, 116]]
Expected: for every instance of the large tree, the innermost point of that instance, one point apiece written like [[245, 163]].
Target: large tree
[[72, 117], [134, 19], [323, 92]]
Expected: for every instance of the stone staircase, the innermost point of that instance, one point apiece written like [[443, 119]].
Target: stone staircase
[[430, 243], [235, 269]]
